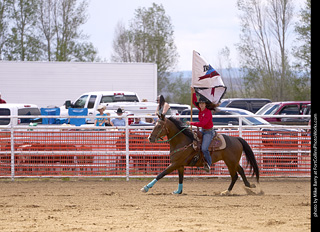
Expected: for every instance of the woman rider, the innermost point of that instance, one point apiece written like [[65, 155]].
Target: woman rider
[[205, 121]]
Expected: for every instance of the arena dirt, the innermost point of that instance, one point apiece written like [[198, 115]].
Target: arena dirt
[[117, 205]]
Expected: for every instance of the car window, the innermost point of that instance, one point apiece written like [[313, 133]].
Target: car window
[[81, 102], [256, 105], [239, 104], [290, 110], [178, 108], [268, 109], [91, 102], [119, 98], [4, 112], [224, 121], [224, 103], [28, 111]]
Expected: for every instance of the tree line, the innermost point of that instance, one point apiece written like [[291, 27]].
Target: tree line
[[50, 30], [44, 30]]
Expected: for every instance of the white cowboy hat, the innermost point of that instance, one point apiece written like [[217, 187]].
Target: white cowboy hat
[[101, 107]]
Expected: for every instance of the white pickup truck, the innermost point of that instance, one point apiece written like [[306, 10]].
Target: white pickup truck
[[18, 110], [127, 101]]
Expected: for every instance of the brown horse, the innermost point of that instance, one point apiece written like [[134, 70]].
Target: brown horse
[[182, 153]]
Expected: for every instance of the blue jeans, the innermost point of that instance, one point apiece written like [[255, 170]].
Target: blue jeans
[[206, 140]]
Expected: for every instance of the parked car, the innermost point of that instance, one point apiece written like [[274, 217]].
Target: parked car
[[285, 108], [18, 110], [128, 101], [250, 104], [179, 107], [248, 121]]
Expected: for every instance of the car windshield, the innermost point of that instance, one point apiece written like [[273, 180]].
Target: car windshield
[[249, 120], [252, 121], [119, 98], [224, 103], [268, 109]]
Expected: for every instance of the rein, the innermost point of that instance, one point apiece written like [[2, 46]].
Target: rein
[[168, 140]]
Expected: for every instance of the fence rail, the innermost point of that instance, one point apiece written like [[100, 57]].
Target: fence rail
[[89, 151]]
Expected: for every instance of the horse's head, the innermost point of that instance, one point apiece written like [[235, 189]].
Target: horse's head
[[159, 130]]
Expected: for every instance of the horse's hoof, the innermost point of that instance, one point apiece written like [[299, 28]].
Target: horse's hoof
[[225, 193], [177, 192], [252, 185], [144, 189]]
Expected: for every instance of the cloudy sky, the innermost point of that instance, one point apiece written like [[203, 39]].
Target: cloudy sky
[[206, 26]]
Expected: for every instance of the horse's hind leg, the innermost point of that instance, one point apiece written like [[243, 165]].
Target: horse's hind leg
[[234, 178], [244, 178]]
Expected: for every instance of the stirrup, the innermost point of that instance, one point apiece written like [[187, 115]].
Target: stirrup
[[206, 167]]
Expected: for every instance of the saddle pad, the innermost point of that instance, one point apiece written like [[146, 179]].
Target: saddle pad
[[218, 143]]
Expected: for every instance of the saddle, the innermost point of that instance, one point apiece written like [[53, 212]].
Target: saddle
[[217, 143]]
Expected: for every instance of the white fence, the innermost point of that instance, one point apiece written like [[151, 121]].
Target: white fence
[[90, 151]]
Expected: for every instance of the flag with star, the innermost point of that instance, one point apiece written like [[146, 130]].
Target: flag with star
[[206, 80]]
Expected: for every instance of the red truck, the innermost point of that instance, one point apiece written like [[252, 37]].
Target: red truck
[[285, 108]]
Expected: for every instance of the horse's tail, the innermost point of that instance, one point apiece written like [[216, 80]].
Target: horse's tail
[[250, 158]]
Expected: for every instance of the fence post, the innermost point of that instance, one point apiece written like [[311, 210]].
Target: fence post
[[240, 135], [12, 150], [127, 148]]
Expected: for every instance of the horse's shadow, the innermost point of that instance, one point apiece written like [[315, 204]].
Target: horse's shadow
[[249, 192]]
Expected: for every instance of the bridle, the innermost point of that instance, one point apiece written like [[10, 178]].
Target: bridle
[[164, 127]]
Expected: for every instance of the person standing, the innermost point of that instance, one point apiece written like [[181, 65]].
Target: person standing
[[1, 100], [163, 107], [205, 122]]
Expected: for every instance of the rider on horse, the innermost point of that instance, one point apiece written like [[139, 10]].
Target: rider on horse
[[205, 121]]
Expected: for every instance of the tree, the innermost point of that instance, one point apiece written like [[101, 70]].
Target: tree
[[150, 39], [265, 27], [69, 15], [23, 43], [44, 30], [303, 29], [231, 76], [303, 53], [46, 24], [4, 8]]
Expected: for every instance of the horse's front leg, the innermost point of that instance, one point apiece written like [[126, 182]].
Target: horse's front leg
[[180, 186], [167, 171]]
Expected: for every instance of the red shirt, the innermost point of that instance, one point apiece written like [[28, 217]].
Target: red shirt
[[2, 101], [205, 116]]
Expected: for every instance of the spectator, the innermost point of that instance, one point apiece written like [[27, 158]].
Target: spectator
[[138, 121], [1, 100], [101, 121], [150, 120], [118, 121]]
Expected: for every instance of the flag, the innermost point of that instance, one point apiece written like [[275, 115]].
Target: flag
[[206, 80]]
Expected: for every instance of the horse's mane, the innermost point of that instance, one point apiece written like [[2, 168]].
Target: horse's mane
[[180, 126]]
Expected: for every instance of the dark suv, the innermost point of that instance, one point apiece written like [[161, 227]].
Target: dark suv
[[250, 104]]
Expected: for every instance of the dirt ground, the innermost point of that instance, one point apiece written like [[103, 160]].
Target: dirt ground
[[117, 205]]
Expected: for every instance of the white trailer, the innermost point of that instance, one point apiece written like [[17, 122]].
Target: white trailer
[[52, 83]]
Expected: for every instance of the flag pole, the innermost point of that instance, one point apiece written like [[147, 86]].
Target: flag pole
[[191, 109]]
